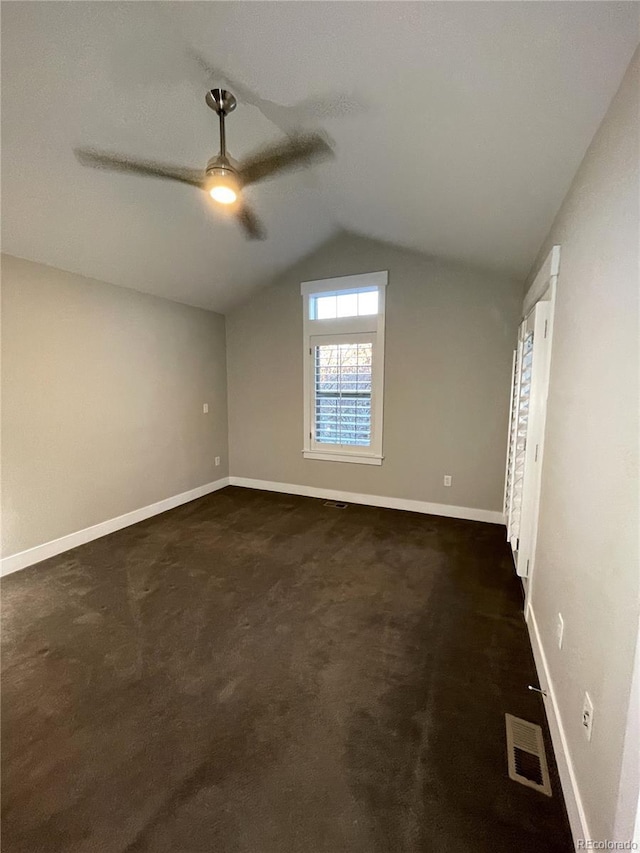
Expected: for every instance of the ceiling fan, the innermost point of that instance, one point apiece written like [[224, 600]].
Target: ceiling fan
[[223, 178]]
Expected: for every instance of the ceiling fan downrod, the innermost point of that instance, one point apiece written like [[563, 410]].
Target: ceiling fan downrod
[[222, 102], [223, 184]]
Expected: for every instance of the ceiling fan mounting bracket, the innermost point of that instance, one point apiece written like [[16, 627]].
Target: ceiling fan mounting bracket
[[221, 101]]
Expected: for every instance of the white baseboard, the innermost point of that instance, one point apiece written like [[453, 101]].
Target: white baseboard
[[468, 513], [570, 790], [50, 549], [15, 562]]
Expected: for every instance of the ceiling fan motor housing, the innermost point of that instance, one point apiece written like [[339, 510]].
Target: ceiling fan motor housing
[[220, 167], [220, 164]]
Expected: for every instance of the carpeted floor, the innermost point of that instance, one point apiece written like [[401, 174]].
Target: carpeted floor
[[260, 673]]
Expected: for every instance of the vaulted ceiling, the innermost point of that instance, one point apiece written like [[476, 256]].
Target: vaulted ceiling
[[457, 126]]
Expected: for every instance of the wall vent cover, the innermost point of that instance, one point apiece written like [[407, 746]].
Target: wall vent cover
[[336, 504], [526, 755]]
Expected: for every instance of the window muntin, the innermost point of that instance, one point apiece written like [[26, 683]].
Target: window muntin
[[342, 393]]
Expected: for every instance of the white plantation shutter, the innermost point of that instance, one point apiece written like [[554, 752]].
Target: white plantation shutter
[[527, 417], [526, 428], [342, 393], [513, 416], [520, 405]]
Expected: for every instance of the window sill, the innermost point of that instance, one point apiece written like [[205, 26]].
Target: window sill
[[340, 456]]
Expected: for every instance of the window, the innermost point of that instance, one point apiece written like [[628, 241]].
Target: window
[[344, 368]]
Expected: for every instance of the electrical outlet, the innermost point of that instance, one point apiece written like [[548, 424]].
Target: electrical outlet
[[205, 408], [217, 460], [587, 716], [560, 630], [447, 479]]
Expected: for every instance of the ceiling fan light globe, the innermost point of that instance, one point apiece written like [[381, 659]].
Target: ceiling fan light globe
[[223, 195], [222, 184]]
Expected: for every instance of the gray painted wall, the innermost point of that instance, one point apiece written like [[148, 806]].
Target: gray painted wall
[[102, 401], [587, 565], [450, 334]]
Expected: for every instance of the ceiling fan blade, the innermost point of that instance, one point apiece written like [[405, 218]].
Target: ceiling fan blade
[[298, 151], [149, 168], [327, 107], [211, 72], [253, 227]]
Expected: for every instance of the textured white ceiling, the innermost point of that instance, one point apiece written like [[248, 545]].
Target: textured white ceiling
[[462, 127]]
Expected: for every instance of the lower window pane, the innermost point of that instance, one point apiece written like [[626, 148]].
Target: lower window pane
[[342, 386]]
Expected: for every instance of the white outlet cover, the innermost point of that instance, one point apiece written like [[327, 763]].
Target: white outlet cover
[[205, 408], [447, 479], [587, 715], [217, 460]]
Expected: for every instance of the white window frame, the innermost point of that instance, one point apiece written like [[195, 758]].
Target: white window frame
[[342, 330]]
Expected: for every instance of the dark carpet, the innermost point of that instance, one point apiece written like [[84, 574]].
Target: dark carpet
[[260, 673]]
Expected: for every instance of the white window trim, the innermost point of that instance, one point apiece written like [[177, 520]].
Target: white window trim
[[372, 325]]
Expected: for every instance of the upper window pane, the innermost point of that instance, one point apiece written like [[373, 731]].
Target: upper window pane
[[357, 303], [347, 304], [368, 302], [325, 307]]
